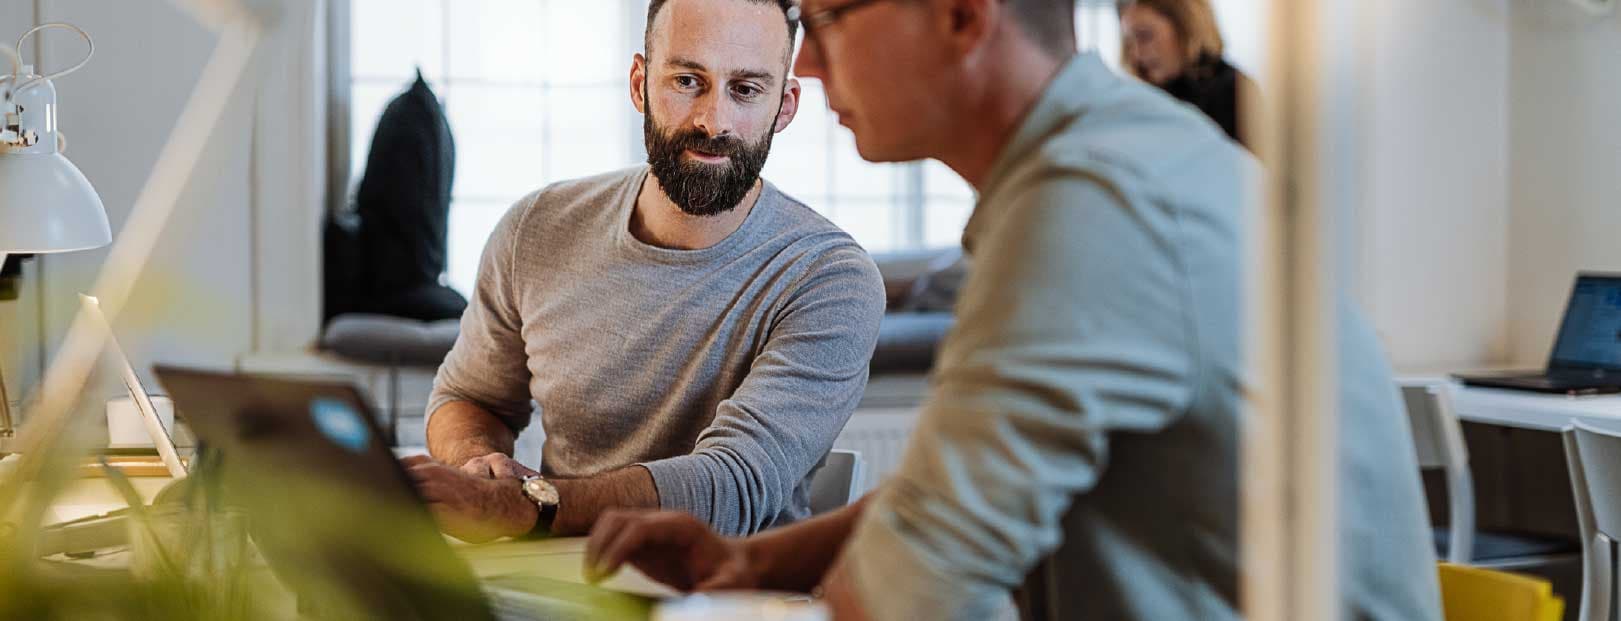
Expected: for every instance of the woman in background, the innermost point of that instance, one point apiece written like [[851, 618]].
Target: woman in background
[[1175, 45]]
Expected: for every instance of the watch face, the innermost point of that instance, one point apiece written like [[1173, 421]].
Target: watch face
[[541, 491]]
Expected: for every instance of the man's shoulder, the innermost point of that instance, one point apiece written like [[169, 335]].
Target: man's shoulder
[[795, 222], [1160, 152], [1131, 147], [556, 201], [588, 190], [829, 247], [1169, 145], [798, 216], [612, 179]]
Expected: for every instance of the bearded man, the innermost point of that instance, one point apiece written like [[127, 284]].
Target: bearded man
[[693, 338]]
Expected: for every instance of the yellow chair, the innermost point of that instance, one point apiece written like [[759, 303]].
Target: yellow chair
[[1475, 594]]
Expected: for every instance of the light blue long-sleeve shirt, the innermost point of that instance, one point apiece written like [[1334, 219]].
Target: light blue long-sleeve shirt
[[1082, 439]]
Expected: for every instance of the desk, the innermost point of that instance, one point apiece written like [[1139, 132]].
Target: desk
[[94, 496], [1527, 410], [557, 564]]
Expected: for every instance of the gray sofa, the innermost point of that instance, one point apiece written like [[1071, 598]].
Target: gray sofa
[[921, 287]]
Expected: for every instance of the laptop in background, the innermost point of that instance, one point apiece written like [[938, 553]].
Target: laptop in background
[[1586, 358]]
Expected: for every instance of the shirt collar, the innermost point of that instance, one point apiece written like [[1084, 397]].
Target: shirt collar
[[1071, 91]]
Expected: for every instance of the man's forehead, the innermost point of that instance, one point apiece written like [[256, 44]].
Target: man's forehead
[[722, 35]]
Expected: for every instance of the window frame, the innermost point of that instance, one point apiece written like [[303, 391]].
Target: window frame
[[909, 211]]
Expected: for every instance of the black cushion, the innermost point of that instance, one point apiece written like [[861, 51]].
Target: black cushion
[[1496, 546], [403, 208]]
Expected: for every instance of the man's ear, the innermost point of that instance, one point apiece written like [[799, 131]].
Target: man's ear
[[790, 105], [968, 23], [638, 83]]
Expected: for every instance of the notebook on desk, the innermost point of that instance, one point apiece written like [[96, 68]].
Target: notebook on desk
[[335, 515], [1586, 358]]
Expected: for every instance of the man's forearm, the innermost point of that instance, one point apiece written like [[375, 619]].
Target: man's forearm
[[461, 430], [796, 557], [582, 501]]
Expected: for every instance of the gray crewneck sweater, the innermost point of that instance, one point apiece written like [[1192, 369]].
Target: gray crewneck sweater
[[727, 372]]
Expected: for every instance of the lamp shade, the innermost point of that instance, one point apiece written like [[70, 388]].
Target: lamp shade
[[47, 205]]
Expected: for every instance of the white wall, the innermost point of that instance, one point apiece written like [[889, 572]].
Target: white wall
[[1566, 145], [1243, 31], [17, 358], [237, 270], [193, 302], [1432, 241]]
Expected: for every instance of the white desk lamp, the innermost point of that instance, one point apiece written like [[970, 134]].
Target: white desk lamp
[[46, 204]]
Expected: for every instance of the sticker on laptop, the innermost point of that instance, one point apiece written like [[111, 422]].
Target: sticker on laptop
[[341, 424]]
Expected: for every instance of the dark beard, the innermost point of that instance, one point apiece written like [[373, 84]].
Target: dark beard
[[701, 189]]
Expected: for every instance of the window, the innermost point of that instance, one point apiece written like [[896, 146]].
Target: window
[[1097, 28], [530, 109], [535, 91]]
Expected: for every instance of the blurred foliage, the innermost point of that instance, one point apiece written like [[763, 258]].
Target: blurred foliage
[[348, 553]]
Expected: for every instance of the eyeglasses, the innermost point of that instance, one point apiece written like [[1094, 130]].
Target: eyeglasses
[[815, 23], [827, 17]]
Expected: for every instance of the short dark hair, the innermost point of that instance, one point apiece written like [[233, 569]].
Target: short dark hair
[[1050, 23], [787, 6]]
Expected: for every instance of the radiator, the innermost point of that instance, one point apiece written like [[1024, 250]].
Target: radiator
[[880, 435]]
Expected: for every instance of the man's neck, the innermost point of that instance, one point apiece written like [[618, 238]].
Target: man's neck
[[1018, 73], [659, 222]]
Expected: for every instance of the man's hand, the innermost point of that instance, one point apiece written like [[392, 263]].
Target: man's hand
[[497, 466], [671, 547], [839, 592], [471, 508]]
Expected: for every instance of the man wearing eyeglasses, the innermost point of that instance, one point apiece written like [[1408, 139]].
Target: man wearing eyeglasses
[[1081, 446]]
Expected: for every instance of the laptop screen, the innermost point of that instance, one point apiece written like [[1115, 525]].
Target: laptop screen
[[1591, 333]]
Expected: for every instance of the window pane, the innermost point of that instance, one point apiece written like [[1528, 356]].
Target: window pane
[[798, 163], [497, 40], [498, 107], [940, 182], [870, 222], [366, 104], [584, 42], [391, 38], [1097, 28], [471, 223], [857, 178], [943, 221], [589, 132], [499, 141]]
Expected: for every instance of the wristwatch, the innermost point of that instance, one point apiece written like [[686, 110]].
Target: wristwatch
[[545, 496]]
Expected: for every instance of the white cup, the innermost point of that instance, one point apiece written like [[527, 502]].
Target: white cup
[[741, 606], [126, 428]]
